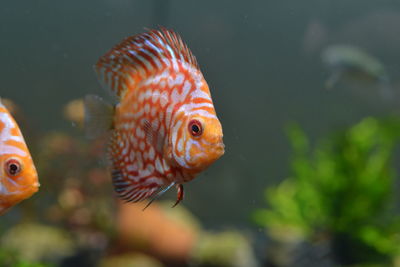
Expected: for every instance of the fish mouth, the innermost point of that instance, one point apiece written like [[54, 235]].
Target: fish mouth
[[219, 149], [222, 148], [33, 187]]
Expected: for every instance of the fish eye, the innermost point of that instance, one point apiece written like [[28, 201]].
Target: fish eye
[[195, 128], [13, 167]]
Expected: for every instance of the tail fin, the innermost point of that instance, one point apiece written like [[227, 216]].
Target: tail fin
[[99, 116]]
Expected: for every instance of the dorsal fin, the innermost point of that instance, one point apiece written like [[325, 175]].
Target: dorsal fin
[[139, 56]]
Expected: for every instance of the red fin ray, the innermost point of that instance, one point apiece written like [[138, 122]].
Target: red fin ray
[[180, 194], [130, 191], [141, 55]]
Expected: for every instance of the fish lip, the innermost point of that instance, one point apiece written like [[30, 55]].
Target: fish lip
[[222, 145], [34, 186], [220, 149]]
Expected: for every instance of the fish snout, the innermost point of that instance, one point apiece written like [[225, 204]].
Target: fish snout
[[220, 147]]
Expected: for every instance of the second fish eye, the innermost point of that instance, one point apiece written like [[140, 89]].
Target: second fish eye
[[195, 128], [13, 167]]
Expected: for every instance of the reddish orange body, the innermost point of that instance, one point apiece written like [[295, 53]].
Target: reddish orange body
[[18, 177], [165, 127]]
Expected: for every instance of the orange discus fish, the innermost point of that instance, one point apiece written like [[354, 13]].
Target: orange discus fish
[[164, 127], [18, 176]]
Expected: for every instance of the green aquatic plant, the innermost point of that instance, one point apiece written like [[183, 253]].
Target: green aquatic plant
[[32, 244], [10, 257], [341, 190]]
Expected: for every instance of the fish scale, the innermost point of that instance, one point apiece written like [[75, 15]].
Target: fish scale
[[161, 92]]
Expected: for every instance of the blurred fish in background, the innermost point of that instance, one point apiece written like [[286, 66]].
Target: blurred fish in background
[[18, 176], [347, 62]]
